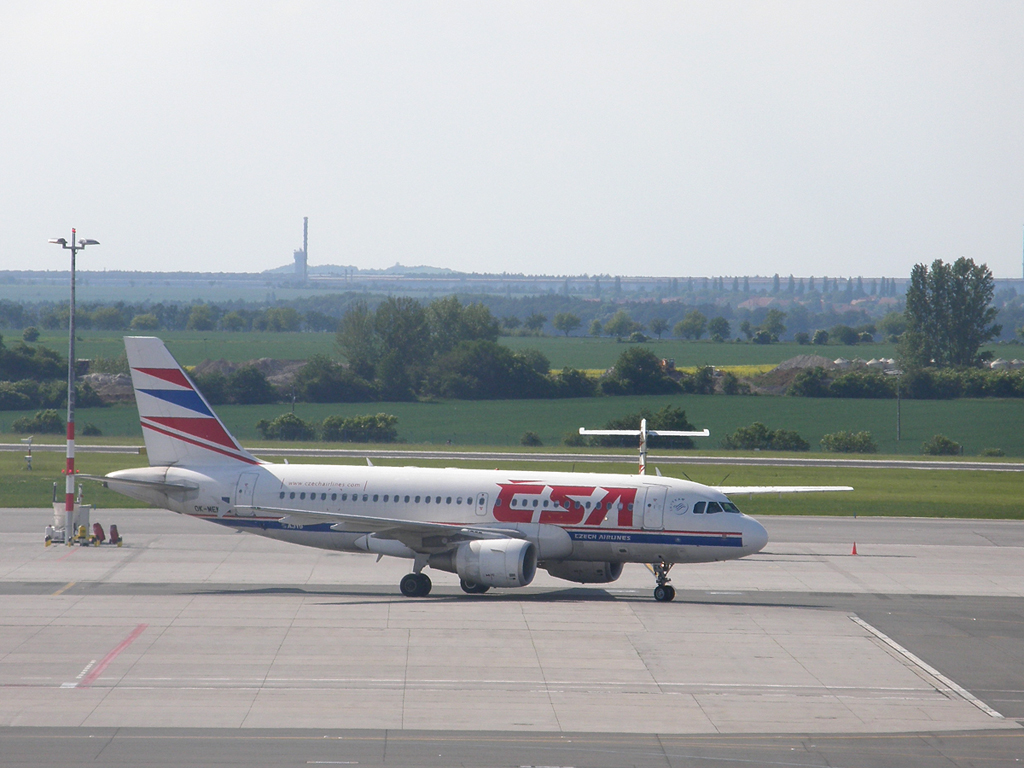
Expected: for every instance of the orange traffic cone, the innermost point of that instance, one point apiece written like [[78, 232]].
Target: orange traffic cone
[[854, 548]]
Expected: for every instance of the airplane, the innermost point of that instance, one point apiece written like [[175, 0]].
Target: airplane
[[493, 528]]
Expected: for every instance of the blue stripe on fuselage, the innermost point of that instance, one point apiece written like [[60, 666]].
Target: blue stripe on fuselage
[[592, 536]]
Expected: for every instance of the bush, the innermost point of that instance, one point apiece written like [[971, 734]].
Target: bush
[[287, 426], [940, 445], [993, 452], [30, 334], [11, 399], [212, 385], [762, 337], [117, 364], [843, 334], [810, 382], [91, 430], [571, 382], [757, 437], [47, 422], [863, 384], [380, 428], [788, 440], [802, 338], [638, 371], [849, 442], [530, 439], [484, 370], [321, 380], [820, 338], [731, 384], [574, 440], [248, 386]]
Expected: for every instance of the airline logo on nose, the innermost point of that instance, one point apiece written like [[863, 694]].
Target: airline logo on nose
[[531, 502]]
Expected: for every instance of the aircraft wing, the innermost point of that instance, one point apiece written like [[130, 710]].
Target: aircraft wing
[[415, 534], [736, 490]]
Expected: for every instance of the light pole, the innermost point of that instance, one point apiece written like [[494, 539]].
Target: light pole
[[898, 373], [69, 471]]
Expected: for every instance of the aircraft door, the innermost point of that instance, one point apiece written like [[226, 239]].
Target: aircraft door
[[244, 493], [654, 507], [481, 504]]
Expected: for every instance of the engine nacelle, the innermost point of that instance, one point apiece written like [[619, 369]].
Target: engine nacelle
[[491, 562], [584, 571]]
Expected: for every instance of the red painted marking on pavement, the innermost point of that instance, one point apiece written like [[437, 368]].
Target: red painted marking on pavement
[[98, 669], [69, 554]]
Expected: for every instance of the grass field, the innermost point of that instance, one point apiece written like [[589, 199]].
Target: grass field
[[976, 424], [913, 493], [191, 347]]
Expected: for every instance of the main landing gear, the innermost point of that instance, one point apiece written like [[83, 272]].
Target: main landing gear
[[663, 593], [472, 588], [415, 585]]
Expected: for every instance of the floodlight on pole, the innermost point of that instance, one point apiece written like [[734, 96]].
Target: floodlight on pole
[[69, 471]]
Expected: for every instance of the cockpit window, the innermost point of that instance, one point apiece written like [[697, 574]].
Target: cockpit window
[[728, 506], [713, 506], [698, 508]]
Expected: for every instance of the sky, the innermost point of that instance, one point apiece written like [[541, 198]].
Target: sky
[[630, 138]]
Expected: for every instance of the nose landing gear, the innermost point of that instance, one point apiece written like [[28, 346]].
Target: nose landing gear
[[663, 593]]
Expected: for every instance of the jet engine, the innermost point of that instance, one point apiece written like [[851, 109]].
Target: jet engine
[[584, 571], [491, 562]]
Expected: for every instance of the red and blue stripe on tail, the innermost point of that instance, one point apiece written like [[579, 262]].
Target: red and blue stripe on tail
[[178, 424]]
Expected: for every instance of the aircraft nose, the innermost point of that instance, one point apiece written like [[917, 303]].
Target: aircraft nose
[[755, 537]]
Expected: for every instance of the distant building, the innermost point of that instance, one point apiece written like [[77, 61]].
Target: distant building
[[302, 257]]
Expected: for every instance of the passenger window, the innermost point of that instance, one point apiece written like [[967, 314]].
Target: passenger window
[[282, 494], [365, 497], [334, 497], [417, 499], [426, 499], [698, 508], [323, 497], [587, 505], [407, 499], [535, 502], [385, 497], [437, 500], [375, 497], [497, 501], [291, 495], [630, 507], [344, 497], [545, 503], [713, 507], [458, 500], [302, 495], [513, 503], [448, 500]]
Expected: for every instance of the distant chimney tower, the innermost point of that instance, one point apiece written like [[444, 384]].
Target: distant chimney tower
[[302, 257]]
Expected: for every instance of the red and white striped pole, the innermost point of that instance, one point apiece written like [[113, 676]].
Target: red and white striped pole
[[69, 470]]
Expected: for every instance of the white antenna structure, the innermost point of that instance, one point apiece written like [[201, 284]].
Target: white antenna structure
[[643, 434]]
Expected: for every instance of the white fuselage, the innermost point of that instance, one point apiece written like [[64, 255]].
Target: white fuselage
[[605, 517]]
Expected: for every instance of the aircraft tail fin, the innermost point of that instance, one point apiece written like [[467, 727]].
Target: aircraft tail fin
[[178, 424]]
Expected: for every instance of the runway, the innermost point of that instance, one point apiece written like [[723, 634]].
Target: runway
[[406, 454], [195, 644]]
